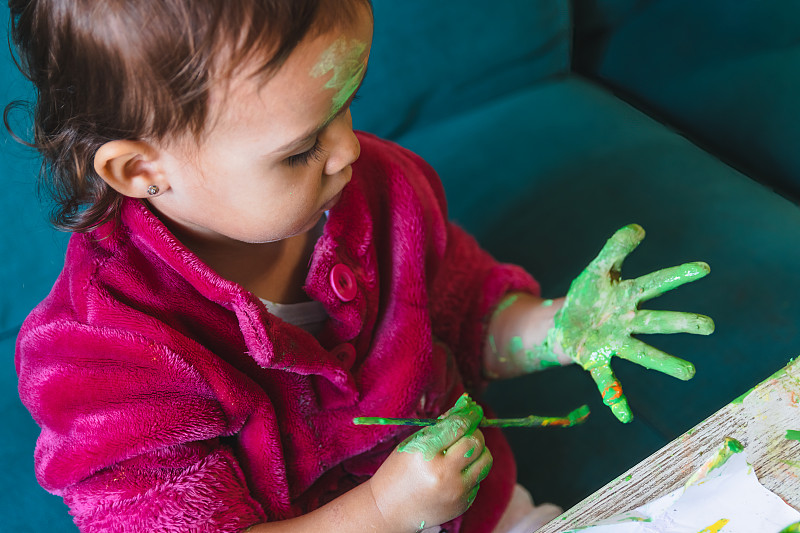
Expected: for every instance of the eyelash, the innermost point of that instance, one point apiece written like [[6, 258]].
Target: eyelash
[[315, 152], [304, 158]]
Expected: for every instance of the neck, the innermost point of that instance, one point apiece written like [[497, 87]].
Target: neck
[[274, 271]]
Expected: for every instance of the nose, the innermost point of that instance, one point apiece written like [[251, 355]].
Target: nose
[[345, 146]]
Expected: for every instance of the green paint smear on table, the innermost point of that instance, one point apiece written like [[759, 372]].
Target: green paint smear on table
[[791, 528], [793, 434], [741, 398], [730, 447]]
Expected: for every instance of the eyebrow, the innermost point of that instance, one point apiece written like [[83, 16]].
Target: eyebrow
[[304, 138]]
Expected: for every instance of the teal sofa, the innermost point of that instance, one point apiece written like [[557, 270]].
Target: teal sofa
[[552, 123]]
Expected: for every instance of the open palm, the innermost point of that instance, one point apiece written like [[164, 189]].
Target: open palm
[[601, 312]]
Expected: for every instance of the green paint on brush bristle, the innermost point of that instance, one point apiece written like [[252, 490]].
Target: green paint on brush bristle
[[793, 434]]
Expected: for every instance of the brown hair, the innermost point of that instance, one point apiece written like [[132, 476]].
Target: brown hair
[[127, 69]]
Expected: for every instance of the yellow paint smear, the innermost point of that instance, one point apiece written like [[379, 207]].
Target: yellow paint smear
[[716, 527]]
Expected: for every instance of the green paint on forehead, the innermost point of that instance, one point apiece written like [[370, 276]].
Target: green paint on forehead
[[347, 61]]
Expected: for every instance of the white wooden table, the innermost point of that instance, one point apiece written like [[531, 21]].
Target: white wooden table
[[759, 420]]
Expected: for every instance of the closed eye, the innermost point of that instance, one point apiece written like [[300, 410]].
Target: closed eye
[[314, 153]]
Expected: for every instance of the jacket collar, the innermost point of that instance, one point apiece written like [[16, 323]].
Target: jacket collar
[[272, 343]]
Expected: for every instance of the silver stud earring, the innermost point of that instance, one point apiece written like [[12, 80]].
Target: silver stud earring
[[152, 190]]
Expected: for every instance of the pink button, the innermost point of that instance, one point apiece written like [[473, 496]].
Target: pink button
[[343, 282], [346, 353]]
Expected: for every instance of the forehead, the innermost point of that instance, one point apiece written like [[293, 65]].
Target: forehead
[[317, 77]]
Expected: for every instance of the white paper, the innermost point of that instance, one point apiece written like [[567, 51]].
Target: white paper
[[719, 498]]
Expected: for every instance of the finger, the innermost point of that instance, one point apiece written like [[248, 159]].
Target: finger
[[657, 283], [479, 469], [611, 390], [616, 249], [468, 448], [652, 358], [666, 322], [462, 420]]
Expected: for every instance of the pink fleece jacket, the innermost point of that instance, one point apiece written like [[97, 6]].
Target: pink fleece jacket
[[171, 400]]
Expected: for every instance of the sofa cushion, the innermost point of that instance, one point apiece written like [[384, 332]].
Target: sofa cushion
[[25, 506], [432, 60], [543, 178], [728, 73], [32, 252]]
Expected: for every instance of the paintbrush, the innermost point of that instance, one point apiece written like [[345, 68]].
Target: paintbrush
[[578, 416]]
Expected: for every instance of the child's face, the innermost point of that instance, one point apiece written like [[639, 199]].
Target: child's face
[[276, 154]]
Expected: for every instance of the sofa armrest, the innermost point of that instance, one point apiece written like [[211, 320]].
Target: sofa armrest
[[727, 74]]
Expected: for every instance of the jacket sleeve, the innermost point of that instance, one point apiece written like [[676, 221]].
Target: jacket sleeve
[[133, 431], [466, 285]]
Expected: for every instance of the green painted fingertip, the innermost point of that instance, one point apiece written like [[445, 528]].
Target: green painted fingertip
[[704, 325], [687, 371], [622, 411], [484, 472], [472, 494]]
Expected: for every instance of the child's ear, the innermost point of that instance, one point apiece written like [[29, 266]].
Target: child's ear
[[131, 168]]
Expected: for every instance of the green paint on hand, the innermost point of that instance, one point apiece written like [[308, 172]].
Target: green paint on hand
[[462, 419], [793, 434], [469, 453], [507, 302], [484, 472], [472, 494], [601, 313]]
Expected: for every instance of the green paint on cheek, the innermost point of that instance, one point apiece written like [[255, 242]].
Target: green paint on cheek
[[793, 434], [348, 62], [547, 303]]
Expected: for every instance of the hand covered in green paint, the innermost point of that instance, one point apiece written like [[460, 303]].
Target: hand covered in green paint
[[601, 312], [434, 475]]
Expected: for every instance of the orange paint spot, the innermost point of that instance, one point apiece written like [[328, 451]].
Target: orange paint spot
[[615, 391]]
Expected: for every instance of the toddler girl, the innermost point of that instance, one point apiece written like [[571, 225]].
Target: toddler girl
[[247, 275]]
